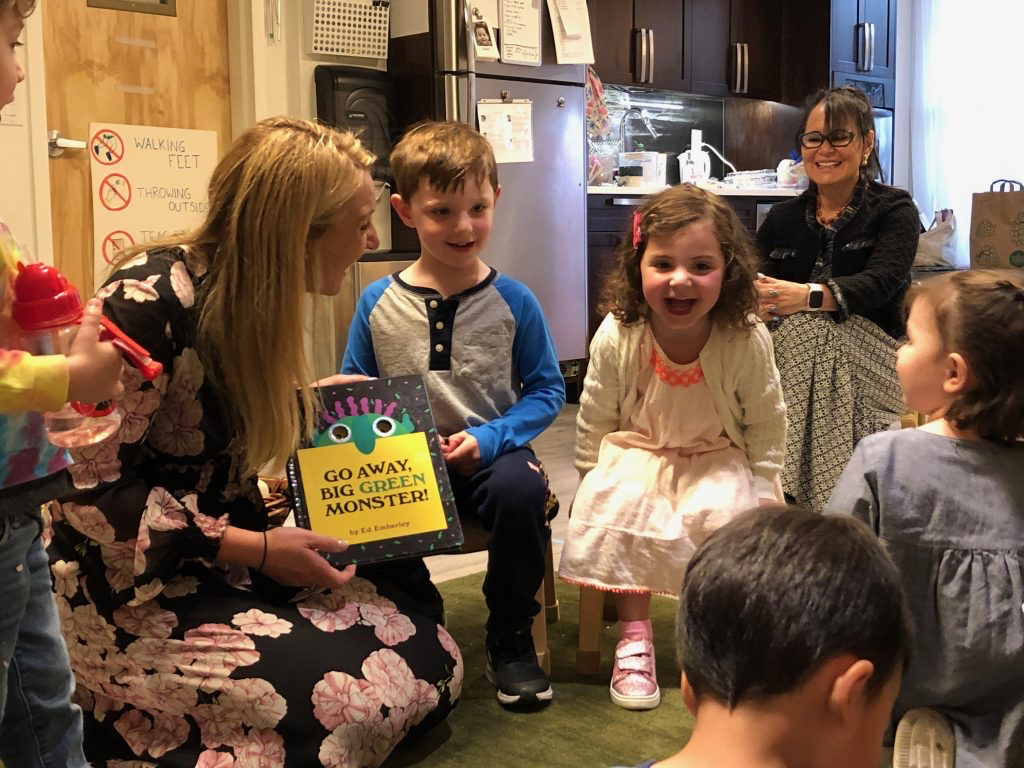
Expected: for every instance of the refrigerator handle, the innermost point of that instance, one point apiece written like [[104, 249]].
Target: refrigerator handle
[[467, 20]]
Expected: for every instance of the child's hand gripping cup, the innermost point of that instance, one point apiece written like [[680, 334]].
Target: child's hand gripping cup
[[48, 310]]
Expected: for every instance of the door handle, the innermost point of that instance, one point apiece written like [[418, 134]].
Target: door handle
[[56, 144], [467, 14]]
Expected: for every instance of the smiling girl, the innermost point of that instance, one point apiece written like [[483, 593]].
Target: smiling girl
[[681, 423]]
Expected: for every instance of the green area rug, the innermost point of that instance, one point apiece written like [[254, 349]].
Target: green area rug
[[581, 727]]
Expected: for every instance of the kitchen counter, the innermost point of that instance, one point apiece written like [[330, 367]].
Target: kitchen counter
[[725, 190]]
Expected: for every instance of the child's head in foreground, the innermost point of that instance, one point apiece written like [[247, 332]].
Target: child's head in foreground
[[447, 187], [656, 229], [12, 19], [789, 612], [964, 355]]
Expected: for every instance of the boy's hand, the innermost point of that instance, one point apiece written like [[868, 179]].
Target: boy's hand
[[462, 452], [94, 366], [340, 378]]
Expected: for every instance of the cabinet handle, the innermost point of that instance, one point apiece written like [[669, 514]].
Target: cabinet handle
[[640, 55], [632, 202], [871, 47], [650, 54], [746, 67], [862, 45], [737, 66]]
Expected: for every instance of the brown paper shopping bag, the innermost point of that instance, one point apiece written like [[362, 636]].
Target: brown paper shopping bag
[[997, 226]]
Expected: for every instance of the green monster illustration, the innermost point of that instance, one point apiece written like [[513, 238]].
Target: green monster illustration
[[364, 424]]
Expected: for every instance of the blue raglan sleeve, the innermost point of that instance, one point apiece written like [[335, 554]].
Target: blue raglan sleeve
[[359, 355], [543, 389]]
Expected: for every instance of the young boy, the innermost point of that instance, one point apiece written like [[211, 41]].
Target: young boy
[[793, 636], [38, 723], [483, 347]]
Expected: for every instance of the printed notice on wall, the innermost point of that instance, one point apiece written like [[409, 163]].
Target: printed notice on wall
[[147, 183], [570, 23], [508, 126], [520, 32]]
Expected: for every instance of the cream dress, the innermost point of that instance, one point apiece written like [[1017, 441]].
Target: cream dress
[[661, 485]]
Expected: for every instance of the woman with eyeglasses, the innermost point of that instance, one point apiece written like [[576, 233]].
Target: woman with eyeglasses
[[836, 263]]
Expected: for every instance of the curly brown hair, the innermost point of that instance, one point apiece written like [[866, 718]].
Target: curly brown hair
[[980, 315], [665, 214]]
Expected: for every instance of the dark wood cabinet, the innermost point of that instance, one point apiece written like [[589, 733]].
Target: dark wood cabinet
[[864, 37], [774, 50], [642, 42]]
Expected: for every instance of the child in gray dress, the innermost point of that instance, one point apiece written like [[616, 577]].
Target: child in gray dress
[[948, 501]]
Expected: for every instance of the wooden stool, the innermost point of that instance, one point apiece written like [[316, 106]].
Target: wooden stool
[[476, 541]]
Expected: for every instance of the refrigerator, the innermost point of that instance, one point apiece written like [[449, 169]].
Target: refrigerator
[[539, 234]]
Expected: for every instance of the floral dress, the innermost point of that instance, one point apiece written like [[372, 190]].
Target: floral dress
[[660, 487], [181, 661]]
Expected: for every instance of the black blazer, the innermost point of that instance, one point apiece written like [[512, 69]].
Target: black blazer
[[872, 251]]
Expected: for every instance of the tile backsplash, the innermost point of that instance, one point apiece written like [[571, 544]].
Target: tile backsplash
[[671, 114]]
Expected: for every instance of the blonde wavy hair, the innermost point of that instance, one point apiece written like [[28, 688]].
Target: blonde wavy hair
[[276, 189]]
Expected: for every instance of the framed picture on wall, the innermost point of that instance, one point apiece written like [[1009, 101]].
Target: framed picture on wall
[[162, 7]]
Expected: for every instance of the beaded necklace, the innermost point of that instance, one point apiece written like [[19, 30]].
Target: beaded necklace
[[827, 220]]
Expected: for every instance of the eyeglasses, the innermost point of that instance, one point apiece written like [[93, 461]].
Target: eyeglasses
[[838, 138]]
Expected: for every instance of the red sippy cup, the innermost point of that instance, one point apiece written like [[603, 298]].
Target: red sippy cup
[[48, 309]]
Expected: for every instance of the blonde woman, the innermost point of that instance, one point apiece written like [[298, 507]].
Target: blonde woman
[[197, 635]]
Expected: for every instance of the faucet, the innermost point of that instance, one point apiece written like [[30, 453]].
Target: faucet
[[642, 113]]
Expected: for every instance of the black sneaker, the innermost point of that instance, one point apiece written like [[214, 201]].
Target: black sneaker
[[513, 669]]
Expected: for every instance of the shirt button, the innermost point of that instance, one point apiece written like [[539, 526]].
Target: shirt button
[[439, 347], [439, 325], [433, 304]]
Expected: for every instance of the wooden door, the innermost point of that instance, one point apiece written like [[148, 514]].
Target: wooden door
[[131, 68], [711, 55], [881, 14], [668, 21], [758, 25], [611, 27]]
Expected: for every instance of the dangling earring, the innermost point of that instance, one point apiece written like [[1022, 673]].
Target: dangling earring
[[864, 162]]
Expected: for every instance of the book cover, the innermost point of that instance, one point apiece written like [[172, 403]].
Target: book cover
[[373, 474]]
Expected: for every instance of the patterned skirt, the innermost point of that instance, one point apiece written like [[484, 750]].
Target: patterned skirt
[[839, 381]]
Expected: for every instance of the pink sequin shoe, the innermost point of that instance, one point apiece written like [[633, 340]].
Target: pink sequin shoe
[[634, 685]]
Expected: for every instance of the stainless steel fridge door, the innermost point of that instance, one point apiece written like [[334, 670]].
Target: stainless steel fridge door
[[454, 47], [539, 235]]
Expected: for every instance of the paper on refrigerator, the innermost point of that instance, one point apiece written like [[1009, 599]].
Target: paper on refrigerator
[[520, 32], [508, 126], [570, 23]]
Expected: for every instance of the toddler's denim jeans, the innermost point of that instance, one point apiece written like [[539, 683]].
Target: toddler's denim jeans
[[39, 726]]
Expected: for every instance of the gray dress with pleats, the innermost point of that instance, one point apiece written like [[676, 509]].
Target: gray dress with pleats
[[951, 514]]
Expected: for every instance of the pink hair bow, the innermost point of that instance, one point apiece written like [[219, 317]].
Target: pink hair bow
[[638, 238]]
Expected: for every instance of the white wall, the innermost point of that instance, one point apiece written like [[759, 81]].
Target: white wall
[[25, 191]]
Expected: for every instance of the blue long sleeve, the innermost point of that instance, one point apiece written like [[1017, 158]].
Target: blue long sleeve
[[543, 388]]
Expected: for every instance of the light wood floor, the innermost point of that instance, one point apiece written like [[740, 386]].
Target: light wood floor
[[555, 448]]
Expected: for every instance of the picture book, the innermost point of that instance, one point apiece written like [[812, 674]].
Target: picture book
[[373, 473]]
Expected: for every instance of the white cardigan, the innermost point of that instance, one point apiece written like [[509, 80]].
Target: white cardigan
[[739, 368]]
